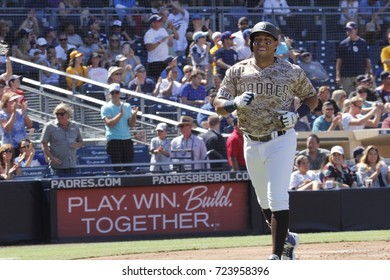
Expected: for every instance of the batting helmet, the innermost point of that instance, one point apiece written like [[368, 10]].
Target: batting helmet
[[265, 27]]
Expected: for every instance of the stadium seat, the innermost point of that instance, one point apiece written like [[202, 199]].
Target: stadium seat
[[91, 151], [166, 111], [94, 160]]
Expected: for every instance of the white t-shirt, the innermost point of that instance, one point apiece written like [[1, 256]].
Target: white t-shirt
[[297, 178], [346, 119], [162, 51], [181, 22], [98, 74]]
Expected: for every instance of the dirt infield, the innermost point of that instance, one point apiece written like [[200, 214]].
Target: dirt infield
[[378, 250]]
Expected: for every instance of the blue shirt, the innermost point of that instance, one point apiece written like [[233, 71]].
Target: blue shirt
[[121, 130], [18, 132], [191, 93], [229, 57], [353, 55]]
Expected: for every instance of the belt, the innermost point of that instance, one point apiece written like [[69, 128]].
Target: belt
[[266, 138]]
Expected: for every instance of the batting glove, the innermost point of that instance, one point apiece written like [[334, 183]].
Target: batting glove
[[244, 99], [288, 119]]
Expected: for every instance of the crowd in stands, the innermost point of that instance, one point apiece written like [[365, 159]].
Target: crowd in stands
[[184, 60]]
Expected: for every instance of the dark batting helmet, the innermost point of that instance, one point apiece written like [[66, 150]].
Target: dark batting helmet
[[265, 27]]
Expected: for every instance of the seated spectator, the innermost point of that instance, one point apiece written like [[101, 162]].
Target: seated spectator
[[324, 94], [339, 95], [313, 69], [303, 178], [28, 25], [114, 76], [88, 46], [113, 48], [76, 68], [7, 167], [62, 50], [172, 62], [235, 148], [39, 52], [383, 90], [168, 88], [367, 81], [160, 149], [362, 92], [193, 93], [215, 143], [200, 51], [373, 167], [314, 153], [328, 121], [27, 156], [354, 120], [22, 51], [187, 70], [52, 62], [244, 51], [95, 71], [336, 172], [73, 37], [141, 83]]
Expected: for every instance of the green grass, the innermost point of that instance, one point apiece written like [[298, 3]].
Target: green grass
[[101, 249]]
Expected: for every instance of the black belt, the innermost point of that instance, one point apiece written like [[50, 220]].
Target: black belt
[[266, 138]]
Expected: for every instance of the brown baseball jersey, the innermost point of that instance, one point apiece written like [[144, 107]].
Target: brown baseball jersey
[[275, 88]]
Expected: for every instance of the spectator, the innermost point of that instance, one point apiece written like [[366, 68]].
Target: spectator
[[7, 168], [373, 167], [157, 42], [76, 68], [239, 40], [314, 153], [60, 140], [23, 49], [71, 11], [13, 120], [62, 50], [244, 51], [141, 83], [4, 77], [235, 148], [51, 61], [29, 25], [351, 61], [303, 178], [285, 50], [215, 143], [324, 94], [313, 69], [226, 57], [73, 37], [114, 75], [339, 95], [368, 82], [362, 92], [180, 18], [336, 172], [160, 150], [95, 27], [169, 27], [27, 156], [4, 30], [95, 71], [50, 35], [199, 51], [172, 63], [217, 45], [169, 88], [354, 120], [350, 11], [187, 70], [88, 46], [188, 146], [13, 84], [383, 91], [357, 155], [113, 48], [193, 93], [275, 11], [39, 53], [118, 117], [328, 121], [121, 34], [130, 62], [122, 8]]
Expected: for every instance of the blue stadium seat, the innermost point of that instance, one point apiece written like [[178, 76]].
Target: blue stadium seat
[[92, 151], [166, 111], [93, 160]]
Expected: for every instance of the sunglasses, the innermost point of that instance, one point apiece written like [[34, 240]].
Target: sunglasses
[[60, 114], [8, 151], [357, 106], [118, 73], [25, 146], [63, 39], [114, 92]]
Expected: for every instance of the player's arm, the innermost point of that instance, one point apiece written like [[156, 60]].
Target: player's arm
[[224, 103], [311, 102]]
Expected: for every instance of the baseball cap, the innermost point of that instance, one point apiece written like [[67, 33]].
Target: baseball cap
[[170, 58], [305, 53], [161, 126], [16, 97], [358, 151], [114, 87], [154, 18], [337, 149], [13, 78], [27, 30], [139, 68], [120, 57], [227, 35], [243, 19], [198, 35], [117, 23], [351, 25], [246, 33], [49, 29], [265, 27], [216, 35], [362, 78], [41, 42], [95, 54], [196, 16], [385, 75]]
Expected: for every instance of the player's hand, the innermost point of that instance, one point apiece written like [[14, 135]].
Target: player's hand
[[288, 119], [244, 99]]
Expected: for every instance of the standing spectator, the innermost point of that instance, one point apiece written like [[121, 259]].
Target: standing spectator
[[316, 155], [180, 19], [235, 148], [27, 156], [188, 145], [199, 51], [141, 83], [328, 121], [354, 120], [193, 93], [313, 69], [169, 88], [118, 117], [217, 45], [239, 40], [170, 28], [352, 58], [215, 143], [244, 51], [14, 120], [226, 57], [336, 172], [76, 68], [157, 42], [372, 167], [13, 84], [303, 178], [60, 140], [4, 77], [160, 149], [350, 11]]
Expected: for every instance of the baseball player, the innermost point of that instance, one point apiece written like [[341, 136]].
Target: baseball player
[[262, 90]]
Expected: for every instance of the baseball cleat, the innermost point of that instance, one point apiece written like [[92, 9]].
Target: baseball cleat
[[273, 257], [291, 243]]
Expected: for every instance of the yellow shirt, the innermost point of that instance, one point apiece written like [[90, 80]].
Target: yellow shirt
[[213, 50], [385, 55], [79, 71]]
